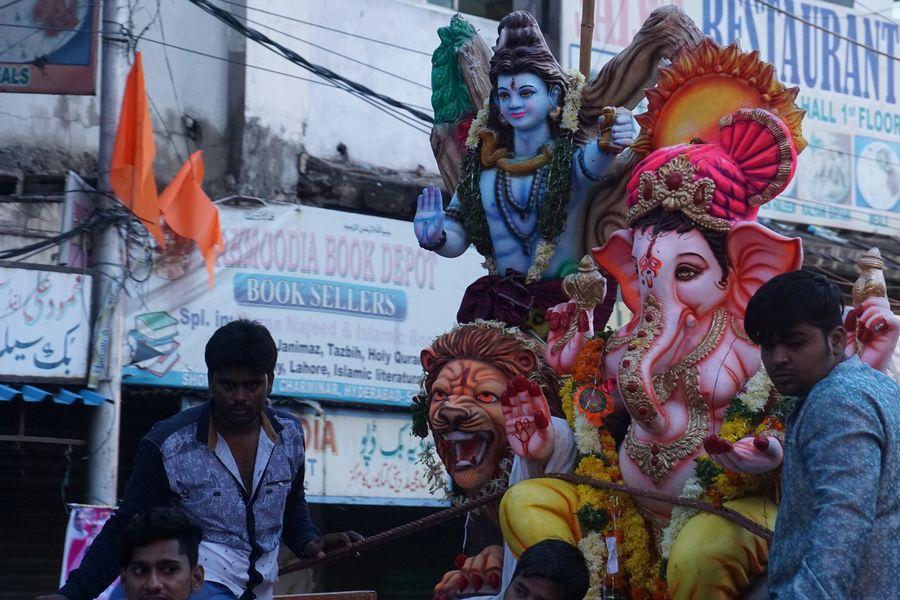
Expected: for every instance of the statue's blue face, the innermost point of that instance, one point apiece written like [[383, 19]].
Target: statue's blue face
[[524, 100]]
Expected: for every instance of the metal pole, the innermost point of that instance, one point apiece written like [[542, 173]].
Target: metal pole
[[587, 37], [109, 261]]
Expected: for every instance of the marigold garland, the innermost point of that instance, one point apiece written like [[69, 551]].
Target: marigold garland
[[603, 514]]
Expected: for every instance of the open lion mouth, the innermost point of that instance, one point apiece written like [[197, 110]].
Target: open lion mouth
[[467, 448]]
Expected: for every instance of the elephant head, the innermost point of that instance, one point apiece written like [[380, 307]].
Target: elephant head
[[694, 251]]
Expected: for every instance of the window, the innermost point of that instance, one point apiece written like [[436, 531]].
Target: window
[[489, 9]]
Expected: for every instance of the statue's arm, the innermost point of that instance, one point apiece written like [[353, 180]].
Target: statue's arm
[[436, 229], [595, 159], [457, 240]]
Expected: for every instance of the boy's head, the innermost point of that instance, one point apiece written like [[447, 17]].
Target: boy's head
[[158, 553], [549, 570], [240, 363], [796, 318]]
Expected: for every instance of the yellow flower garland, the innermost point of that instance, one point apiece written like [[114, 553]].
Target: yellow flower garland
[[639, 569]]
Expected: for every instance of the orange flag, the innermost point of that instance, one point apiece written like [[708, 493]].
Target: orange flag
[[131, 167], [191, 214]]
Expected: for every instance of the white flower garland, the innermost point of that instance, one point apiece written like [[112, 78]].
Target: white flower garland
[[593, 547], [756, 395], [572, 105], [478, 124], [586, 439], [680, 516]]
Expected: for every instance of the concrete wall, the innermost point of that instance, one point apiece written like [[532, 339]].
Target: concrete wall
[[284, 114], [43, 133]]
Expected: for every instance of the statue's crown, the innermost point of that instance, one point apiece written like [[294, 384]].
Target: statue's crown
[[716, 185]]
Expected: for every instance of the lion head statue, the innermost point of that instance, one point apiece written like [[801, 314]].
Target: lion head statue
[[466, 371]]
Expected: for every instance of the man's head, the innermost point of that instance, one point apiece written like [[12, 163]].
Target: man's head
[[795, 318], [549, 570], [158, 552], [240, 362]]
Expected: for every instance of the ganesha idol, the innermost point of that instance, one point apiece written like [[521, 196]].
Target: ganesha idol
[[682, 379], [492, 404]]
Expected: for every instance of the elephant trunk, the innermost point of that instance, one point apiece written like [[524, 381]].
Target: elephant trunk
[[652, 343]]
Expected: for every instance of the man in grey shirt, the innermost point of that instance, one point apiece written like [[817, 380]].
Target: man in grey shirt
[[838, 524]]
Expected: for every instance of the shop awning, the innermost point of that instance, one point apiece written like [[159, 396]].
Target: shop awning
[[59, 395]]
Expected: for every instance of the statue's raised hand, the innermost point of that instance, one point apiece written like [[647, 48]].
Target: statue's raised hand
[[570, 329], [616, 127], [527, 416], [429, 219], [872, 332], [758, 454]]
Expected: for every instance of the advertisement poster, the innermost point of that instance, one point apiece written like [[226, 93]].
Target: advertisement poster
[[44, 324], [844, 62], [85, 522], [48, 46], [365, 458], [351, 300]]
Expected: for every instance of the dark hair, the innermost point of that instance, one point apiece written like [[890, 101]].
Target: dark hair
[[521, 48], [160, 523], [790, 299], [557, 561], [241, 343], [666, 220]]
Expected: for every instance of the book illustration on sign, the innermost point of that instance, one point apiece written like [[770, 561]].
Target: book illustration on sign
[[152, 342]]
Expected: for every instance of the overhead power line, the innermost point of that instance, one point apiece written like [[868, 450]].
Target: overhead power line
[[348, 84], [326, 28], [826, 30]]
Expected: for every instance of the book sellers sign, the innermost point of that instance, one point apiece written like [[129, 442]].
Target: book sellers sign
[[842, 56], [351, 300]]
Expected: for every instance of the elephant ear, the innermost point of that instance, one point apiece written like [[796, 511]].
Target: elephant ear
[[757, 254], [615, 258]]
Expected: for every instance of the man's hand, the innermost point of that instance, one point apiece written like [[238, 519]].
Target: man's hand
[[527, 416], [758, 454], [429, 220], [318, 547], [872, 332], [479, 574]]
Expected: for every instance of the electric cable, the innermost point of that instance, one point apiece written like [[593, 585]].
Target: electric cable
[[325, 27], [300, 61], [336, 53], [826, 30]]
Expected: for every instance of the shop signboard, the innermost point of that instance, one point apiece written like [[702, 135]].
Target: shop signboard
[[44, 323], [843, 59], [351, 300], [48, 46], [360, 457]]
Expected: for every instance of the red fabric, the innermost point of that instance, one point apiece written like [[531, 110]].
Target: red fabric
[[509, 299]]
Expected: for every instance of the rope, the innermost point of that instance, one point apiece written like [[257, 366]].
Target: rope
[[451, 513], [395, 533]]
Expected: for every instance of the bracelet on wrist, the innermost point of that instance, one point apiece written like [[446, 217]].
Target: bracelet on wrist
[[436, 245]]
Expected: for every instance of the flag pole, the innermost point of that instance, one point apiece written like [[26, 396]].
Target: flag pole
[[587, 37], [109, 262]]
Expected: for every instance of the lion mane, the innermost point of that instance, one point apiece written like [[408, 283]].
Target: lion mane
[[493, 343]]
